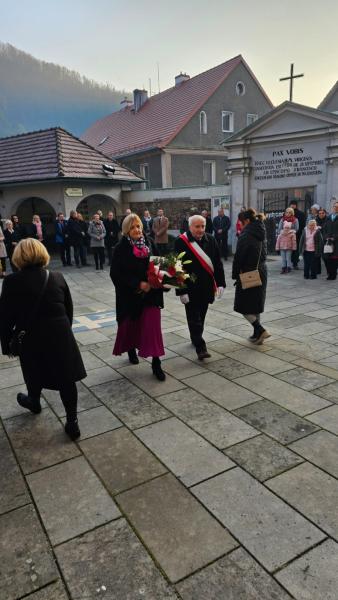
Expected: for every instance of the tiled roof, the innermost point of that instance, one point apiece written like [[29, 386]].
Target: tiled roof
[[55, 154], [162, 116]]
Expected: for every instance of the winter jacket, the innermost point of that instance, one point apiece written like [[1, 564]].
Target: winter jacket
[[318, 240], [286, 240], [97, 233]]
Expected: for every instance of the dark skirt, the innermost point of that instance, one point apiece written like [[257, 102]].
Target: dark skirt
[[143, 333]]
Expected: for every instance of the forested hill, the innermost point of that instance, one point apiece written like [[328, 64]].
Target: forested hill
[[36, 95]]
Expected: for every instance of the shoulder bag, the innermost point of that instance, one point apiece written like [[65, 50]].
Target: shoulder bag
[[251, 279], [16, 342]]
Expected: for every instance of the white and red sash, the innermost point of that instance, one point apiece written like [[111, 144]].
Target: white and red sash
[[202, 257]]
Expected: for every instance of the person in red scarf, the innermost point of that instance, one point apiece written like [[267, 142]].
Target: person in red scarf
[[137, 304], [289, 216], [202, 250]]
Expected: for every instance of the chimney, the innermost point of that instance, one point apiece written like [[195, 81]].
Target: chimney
[[140, 97], [181, 78], [125, 103]]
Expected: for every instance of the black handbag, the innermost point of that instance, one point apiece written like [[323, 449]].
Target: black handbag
[[16, 342]]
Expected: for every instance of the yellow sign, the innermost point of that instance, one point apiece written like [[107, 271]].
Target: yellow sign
[[73, 192]]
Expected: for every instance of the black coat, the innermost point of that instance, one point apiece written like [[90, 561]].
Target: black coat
[[250, 241], [50, 357], [126, 272], [208, 225], [32, 232], [11, 239], [147, 227], [330, 232], [75, 232], [222, 223], [112, 232], [202, 290]]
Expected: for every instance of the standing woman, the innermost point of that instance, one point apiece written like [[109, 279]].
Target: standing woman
[[3, 254], [251, 251], [137, 304], [97, 233], [39, 302], [12, 238], [36, 230]]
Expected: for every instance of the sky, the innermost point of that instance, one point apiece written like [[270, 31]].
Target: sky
[[123, 42]]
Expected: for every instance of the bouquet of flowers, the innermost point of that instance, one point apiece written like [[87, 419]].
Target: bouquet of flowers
[[168, 271]]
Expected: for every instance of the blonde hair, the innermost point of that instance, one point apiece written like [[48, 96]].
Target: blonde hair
[[128, 222], [289, 211], [29, 252]]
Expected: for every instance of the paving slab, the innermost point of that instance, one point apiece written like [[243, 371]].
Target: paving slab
[[97, 420], [331, 362], [302, 487], [310, 349], [320, 448], [86, 338], [234, 577], [314, 575], [25, 556], [91, 361], [224, 346], [13, 490], [224, 392], [263, 457], [54, 591], [305, 379], [101, 375], [71, 499], [268, 528], [39, 441], [327, 418], [121, 460], [230, 368], [10, 377], [277, 422], [179, 532], [186, 454], [214, 423], [285, 394], [330, 336], [111, 563], [141, 375], [181, 368], [86, 400], [329, 392], [130, 404], [262, 362], [187, 350]]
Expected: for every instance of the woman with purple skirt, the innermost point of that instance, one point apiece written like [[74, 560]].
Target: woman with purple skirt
[[137, 304]]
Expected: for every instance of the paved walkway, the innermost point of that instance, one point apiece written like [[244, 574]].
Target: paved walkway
[[219, 484]]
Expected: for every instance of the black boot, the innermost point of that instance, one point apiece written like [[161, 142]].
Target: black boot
[[72, 429], [133, 358], [33, 404], [157, 369], [260, 333], [256, 331]]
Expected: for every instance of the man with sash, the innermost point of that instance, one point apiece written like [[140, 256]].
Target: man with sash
[[206, 265]]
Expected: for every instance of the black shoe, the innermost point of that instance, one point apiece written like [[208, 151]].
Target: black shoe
[[72, 429], [157, 369], [252, 338], [264, 334], [133, 358], [201, 354], [32, 404]]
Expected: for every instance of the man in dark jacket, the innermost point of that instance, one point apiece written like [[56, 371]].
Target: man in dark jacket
[[301, 224], [330, 235], [221, 225], [61, 240], [208, 222], [76, 237], [112, 234], [206, 266], [147, 223]]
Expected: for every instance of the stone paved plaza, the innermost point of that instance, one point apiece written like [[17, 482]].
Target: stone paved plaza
[[219, 484]]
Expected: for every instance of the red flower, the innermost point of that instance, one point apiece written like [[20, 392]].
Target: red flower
[[171, 271]]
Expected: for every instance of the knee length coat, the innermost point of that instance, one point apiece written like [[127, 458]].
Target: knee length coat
[[50, 356], [126, 272], [250, 241]]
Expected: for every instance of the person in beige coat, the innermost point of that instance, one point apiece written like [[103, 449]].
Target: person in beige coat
[[160, 229]]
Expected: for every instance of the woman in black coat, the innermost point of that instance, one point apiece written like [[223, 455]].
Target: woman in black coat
[[251, 251], [137, 304], [50, 357]]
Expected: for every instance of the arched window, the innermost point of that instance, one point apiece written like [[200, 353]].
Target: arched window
[[203, 122]]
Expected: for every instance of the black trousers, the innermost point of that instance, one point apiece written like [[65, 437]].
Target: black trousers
[[64, 252], [110, 253], [196, 314], [68, 394], [222, 243], [310, 264], [98, 257], [332, 266], [79, 254]]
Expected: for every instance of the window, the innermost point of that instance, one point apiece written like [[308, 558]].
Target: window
[[209, 172], [250, 118], [240, 88], [203, 122], [144, 172], [227, 121]]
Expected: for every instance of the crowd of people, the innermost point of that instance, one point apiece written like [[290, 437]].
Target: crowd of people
[[36, 306]]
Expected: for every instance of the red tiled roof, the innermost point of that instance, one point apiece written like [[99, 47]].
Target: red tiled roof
[[55, 154], [162, 116]]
